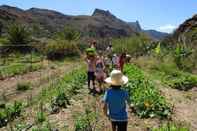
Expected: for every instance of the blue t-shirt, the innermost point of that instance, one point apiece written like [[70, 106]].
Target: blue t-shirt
[[116, 101]]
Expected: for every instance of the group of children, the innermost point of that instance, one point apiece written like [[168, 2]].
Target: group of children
[[115, 98], [100, 64]]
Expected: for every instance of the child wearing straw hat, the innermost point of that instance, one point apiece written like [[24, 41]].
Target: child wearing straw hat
[[115, 100]]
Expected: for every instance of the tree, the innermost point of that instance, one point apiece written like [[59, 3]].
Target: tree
[[18, 35], [69, 33]]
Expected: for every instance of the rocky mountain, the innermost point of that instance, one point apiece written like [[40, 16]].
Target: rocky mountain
[[101, 23], [155, 35], [187, 32], [45, 23]]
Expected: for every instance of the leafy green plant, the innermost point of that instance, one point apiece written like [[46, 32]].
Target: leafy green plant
[[146, 99], [180, 80], [61, 101], [171, 127], [23, 86], [10, 112], [45, 126], [41, 117], [85, 121]]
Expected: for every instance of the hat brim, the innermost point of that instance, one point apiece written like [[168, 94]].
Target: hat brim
[[124, 80]]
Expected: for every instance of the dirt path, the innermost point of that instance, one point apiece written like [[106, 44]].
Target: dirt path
[[185, 105], [81, 101], [36, 79]]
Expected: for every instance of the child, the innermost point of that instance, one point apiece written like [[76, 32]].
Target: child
[[115, 61], [115, 100], [100, 74], [121, 61], [91, 62]]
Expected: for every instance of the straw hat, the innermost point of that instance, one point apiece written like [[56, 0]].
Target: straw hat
[[116, 78]]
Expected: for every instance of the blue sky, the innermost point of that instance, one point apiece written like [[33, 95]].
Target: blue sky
[[162, 15]]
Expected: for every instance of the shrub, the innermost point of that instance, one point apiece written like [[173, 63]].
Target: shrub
[[60, 49], [146, 99], [23, 86]]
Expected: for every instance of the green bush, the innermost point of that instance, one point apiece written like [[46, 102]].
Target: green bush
[[146, 99], [59, 49]]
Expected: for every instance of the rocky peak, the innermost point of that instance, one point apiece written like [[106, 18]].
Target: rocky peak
[[99, 12]]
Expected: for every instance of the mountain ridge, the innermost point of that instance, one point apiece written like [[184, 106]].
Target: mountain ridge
[[100, 24]]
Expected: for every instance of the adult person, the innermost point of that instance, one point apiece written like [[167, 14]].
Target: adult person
[[115, 101]]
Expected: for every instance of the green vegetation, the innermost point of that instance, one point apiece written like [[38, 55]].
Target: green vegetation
[[171, 127], [180, 80], [85, 121], [18, 35], [136, 46], [17, 68], [10, 112], [61, 101], [146, 99], [59, 49], [69, 33]]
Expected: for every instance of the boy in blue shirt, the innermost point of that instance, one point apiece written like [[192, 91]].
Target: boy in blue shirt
[[115, 101]]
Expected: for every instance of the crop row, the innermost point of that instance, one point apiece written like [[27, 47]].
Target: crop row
[[144, 96]]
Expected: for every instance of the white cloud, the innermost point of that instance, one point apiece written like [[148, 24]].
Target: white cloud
[[167, 28]]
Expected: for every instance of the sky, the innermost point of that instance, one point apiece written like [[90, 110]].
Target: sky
[[161, 15]]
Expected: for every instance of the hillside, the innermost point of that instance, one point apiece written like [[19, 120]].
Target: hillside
[[101, 23], [187, 32], [44, 23]]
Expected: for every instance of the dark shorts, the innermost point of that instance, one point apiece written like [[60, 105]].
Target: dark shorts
[[119, 125], [91, 76]]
